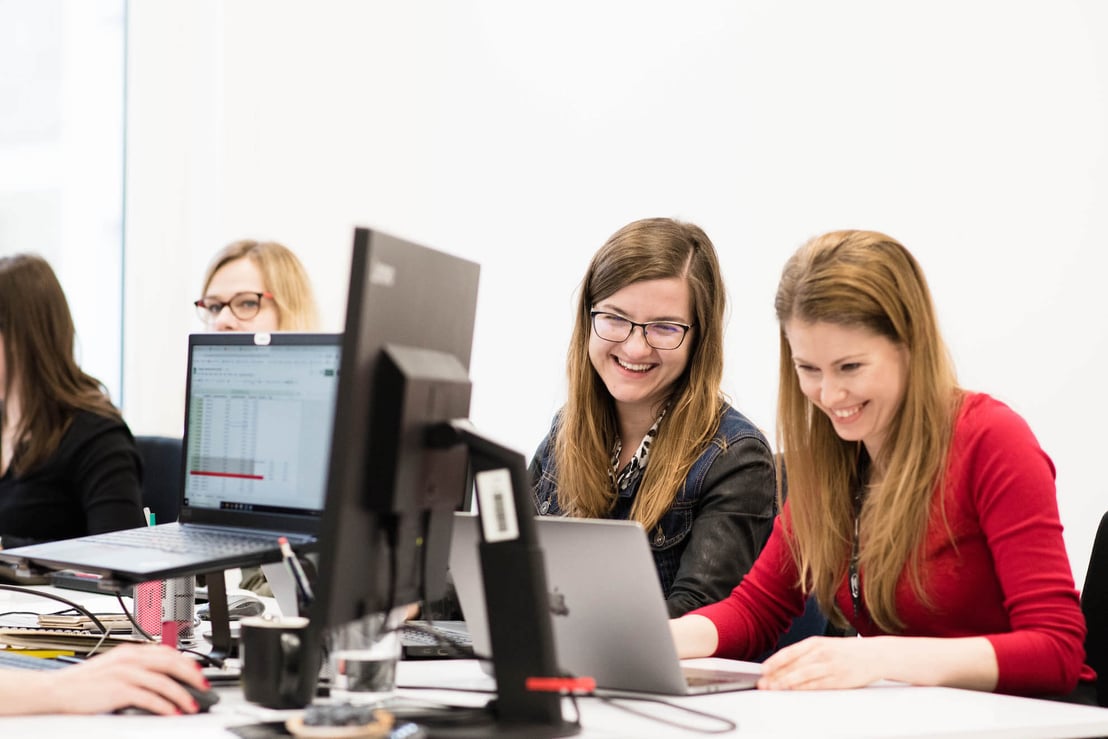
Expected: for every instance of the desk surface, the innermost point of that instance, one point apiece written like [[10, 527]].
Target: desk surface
[[887, 711], [879, 711]]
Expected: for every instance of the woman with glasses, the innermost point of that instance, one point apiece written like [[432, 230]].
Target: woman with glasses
[[645, 433], [921, 515], [68, 463], [257, 286]]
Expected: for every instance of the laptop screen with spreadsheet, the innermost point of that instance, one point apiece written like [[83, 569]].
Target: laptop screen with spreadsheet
[[258, 426]]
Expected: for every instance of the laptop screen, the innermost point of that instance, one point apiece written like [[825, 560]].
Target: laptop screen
[[259, 422]]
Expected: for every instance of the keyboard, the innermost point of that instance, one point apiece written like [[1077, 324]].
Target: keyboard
[[420, 640], [27, 662], [185, 540]]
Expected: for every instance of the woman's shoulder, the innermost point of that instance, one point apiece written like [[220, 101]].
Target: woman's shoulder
[[986, 425], [981, 412], [88, 425], [734, 425]]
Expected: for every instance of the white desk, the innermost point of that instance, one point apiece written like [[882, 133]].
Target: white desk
[[870, 712]]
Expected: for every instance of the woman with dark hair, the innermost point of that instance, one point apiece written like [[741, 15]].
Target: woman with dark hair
[[68, 462], [921, 515], [646, 433]]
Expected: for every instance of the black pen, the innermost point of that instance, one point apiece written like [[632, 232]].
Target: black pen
[[297, 571]]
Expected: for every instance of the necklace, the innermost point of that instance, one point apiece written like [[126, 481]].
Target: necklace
[[855, 576], [855, 579]]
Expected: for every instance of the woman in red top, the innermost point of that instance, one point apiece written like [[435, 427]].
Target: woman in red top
[[920, 515]]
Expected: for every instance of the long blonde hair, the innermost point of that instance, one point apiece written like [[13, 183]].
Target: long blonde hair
[[649, 249], [866, 280], [283, 275]]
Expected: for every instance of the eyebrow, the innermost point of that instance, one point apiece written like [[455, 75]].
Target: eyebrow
[[238, 292], [609, 308], [841, 360]]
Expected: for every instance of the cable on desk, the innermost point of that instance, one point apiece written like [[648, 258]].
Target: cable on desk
[[727, 724], [130, 617], [441, 640], [5, 614], [205, 658], [79, 608]]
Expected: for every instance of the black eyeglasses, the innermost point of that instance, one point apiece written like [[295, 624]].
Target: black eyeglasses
[[244, 306], [663, 335]]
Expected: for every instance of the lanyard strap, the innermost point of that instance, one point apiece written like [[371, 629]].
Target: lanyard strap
[[855, 576]]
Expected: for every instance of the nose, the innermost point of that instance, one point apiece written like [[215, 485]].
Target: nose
[[636, 342], [830, 391], [225, 320]]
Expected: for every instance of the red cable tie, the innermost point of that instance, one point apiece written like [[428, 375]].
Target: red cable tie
[[561, 684]]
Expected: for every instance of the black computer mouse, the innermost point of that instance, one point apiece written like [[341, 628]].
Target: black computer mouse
[[205, 699]]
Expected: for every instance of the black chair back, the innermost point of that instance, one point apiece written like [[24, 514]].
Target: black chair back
[[1094, 604], [161, 475]]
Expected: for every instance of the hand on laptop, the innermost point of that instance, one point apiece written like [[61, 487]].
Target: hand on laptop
[[151, 677]]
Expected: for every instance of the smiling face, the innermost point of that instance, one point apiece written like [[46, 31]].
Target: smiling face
[[638, 376], [854, 375], [241, 276]]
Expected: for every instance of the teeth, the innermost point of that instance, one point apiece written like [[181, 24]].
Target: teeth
[[846, 412], [633, 367]]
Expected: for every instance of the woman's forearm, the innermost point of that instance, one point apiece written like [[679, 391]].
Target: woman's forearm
[[694, 636]]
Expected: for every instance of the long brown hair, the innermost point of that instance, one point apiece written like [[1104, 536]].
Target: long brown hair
[[39, 342], [866, 280], [649, 249], [283, 275]]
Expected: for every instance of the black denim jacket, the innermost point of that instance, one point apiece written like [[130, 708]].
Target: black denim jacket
[[719, 521]]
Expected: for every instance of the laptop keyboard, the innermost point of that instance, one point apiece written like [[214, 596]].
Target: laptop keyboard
[[182, 540], [433, 636], [700, 676]]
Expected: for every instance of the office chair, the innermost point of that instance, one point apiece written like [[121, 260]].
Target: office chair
[[161, 475], [1094, 604]]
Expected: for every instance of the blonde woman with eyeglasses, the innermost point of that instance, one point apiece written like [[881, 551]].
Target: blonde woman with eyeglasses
[[646, 433], [257, 286]]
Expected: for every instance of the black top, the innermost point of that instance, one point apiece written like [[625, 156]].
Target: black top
[[90, 484]]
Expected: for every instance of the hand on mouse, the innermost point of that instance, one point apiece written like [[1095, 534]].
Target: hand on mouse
[[144, 676]]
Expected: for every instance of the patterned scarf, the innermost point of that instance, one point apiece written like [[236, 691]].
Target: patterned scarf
[[621, 480]]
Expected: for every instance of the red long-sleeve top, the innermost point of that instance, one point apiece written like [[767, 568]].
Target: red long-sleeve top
[[1006, 575]]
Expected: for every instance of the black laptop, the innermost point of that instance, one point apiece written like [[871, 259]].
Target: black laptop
[[259, 410]]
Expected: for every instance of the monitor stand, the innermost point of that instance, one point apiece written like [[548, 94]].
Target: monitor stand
[[517, 603], [219, 614]]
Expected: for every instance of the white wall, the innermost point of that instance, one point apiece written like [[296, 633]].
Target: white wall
[[61, 153], [521, 135]]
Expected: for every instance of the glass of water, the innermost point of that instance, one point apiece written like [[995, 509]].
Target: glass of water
[[362, 660]]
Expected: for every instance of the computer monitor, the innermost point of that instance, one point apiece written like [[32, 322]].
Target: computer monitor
[[385, 534], [400, 456]]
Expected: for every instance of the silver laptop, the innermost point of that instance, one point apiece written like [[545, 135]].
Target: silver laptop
[[609, 616], [259, 410]]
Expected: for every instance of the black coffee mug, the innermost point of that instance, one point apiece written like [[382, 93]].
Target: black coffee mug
[[280, 661]]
